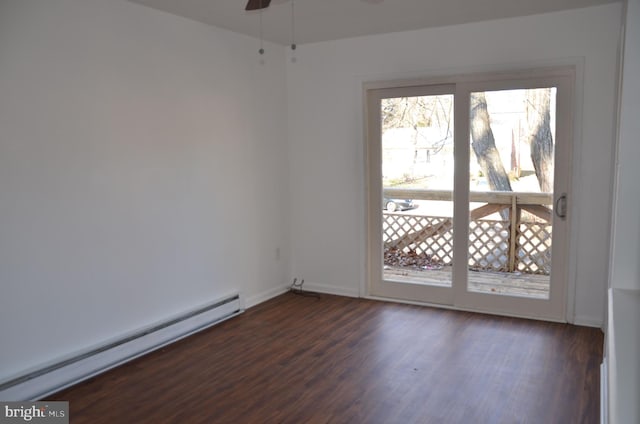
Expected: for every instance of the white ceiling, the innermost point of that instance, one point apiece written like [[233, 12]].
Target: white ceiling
[[322, 20]]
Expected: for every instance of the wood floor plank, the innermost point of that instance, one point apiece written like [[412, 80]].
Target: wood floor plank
[[341, 360]]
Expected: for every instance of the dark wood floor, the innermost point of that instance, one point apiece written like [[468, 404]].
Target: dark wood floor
[[340, 360]]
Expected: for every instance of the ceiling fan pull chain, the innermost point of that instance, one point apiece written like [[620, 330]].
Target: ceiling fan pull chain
[[261, 51], [293, 27]]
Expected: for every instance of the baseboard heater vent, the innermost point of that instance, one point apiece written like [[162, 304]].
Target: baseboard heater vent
[[82, 366]]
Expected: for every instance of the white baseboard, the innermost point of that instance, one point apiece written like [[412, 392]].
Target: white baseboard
[[83, 365], [266, 295], [312, 287], [324, 288], [604, 395], [586, 321]]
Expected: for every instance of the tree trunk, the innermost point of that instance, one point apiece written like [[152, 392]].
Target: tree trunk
[[484, 145], [540, 137]]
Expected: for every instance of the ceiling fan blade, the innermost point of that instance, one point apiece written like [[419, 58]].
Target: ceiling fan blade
[[257, 4]]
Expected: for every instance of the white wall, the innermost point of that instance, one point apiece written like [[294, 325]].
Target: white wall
[[326, 142], [142, 172], [623, 344], [625, 257]]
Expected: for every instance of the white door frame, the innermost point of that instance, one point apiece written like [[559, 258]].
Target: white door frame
[[562, 77], [377, 285]]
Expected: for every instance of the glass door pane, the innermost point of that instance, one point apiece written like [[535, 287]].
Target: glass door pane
[[417, 183], [511, 174]]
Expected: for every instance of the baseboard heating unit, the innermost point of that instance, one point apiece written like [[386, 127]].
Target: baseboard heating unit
[[84, 365]]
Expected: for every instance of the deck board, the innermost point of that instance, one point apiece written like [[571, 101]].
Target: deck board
[[503, 283]]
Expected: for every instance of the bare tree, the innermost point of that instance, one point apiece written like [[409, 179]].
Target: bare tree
[[420, 112], [484, 145], [540, 137], [417, 112]]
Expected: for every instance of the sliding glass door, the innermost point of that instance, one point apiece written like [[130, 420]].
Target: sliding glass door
[[412, 149], [468, 189]]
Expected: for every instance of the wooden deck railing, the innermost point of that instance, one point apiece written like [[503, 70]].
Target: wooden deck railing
[[494, 244]]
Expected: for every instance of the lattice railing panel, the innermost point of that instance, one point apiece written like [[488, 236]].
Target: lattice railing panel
[[489, 245], [429, 240], [427, 236], [533, 248]]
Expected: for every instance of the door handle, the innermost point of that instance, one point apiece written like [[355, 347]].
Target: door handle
[[561, 206]]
